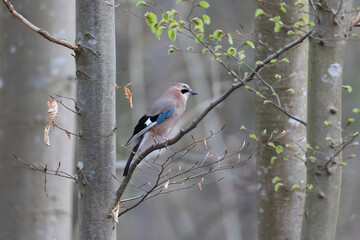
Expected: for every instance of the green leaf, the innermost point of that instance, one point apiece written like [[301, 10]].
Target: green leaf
[[273, 61], [288, 145], [141, 3], [304, 19], [204, 4], [291, 90], [249, 43], [170, 51], [277, 27], [199, 25], [278, 186], [286, 158], [348, 88], [311, 24], [309, 186], [172, 34], [328, 139], [356, 110], [327, 122], [271, 144], [205, 50], [206, 19], [290, 32], [231, 51], [277, 76], [230, 39], [300, 3], [297, 25], [259, 12], [253, 136], [150, 18], [199, 37], [279, 149], [352, 155], [259, 63], [273, 159], [285, 60], [275, 179], [294, 187], [218, 34]]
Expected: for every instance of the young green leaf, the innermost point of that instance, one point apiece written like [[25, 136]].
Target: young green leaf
[[172, 34], [279, 149], [141, 3], [204, 4], [259, 12], [218, 34], [206, 19], [294, 187], [230, 39], [150, 18], [253, 136], [249, 43], [278, 186], [273, 159], [309, 186], [275, 179]]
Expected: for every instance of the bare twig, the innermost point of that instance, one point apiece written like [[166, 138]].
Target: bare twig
[[331, 160], [40, 31], [47, 171]]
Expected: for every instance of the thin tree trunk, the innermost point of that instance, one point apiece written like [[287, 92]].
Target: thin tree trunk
[[32, 68], [280, 212], [95, 71], [324, 101]]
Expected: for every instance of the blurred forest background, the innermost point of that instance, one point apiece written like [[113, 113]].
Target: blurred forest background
[[222, 210]]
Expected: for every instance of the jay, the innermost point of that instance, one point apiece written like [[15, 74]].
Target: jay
[[160, 117]]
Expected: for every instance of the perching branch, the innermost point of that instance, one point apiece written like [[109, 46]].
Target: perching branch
[[202, 115], [40, 31]]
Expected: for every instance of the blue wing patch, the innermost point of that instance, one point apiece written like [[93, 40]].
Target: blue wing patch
[[165, 115]]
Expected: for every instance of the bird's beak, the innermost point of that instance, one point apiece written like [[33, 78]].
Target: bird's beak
[[193, 92]]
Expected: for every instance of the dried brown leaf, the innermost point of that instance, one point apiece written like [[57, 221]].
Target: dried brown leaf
[[199, 185], [166, 184], [115, 212], [128, 96], [355, 21], [68, 134], [52, 111], [46, 135]]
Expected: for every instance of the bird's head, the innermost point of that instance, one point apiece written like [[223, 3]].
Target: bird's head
[[183, 89]]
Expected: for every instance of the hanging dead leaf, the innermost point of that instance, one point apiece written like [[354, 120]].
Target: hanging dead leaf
[[46, 135], [52, 111], [115, 212], [355, 21], [128, 96], [117, 86], [166, 184], [200, 188], [68, 134]]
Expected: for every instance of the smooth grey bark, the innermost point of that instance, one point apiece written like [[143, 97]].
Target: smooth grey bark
[[326, 56], [280, 213], [31, 68], [95, 71]]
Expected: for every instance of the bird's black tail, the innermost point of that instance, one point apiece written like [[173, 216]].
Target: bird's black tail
[[132, 154]]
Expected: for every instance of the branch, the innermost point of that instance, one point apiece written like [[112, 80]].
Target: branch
[[40, 31], [202, 115]]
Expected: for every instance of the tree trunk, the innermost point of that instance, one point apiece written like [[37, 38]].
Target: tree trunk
[[95, 71], [280, 212], [32, 68], [324, 101]]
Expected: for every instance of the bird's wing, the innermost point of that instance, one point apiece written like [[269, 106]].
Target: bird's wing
[[147, 122]]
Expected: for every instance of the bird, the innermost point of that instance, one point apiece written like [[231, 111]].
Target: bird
[[160, 117]]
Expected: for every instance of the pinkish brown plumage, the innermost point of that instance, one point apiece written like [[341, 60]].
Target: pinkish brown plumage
[[161, 117]]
